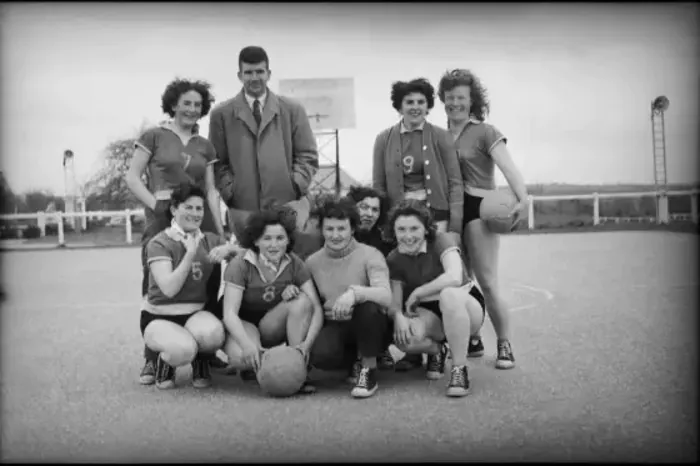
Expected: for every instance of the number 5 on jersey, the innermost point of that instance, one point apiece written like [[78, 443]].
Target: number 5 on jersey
[[197, 270]]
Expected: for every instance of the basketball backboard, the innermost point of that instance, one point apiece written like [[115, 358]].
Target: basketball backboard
[[329, 103]]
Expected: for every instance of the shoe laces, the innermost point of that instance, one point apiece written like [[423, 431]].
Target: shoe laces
[[200, 369], [458, 377], [504, 349], [166, 371], [363, 377], [150, 366]]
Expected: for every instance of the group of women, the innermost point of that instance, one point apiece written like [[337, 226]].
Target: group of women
[[423, 291]]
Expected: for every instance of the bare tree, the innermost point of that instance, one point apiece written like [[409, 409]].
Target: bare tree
[[107, 188]]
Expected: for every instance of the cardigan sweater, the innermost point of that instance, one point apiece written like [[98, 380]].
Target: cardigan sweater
[[441, 171]]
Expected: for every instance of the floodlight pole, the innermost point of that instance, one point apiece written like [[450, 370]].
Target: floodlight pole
[[337, 162], [658, 134]]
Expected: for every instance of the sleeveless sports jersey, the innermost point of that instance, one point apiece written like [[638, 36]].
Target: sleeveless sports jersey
[[166, 246], [414, 271], [259, 294]]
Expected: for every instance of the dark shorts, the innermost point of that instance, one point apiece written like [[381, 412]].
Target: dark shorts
[[434, 306], [252, 317], [471, 208], [147, 318]]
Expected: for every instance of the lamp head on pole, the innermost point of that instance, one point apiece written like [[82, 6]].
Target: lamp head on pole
[[660, 104], [67, 154]]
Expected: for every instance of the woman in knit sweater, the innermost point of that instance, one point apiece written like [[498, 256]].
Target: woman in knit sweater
[[433, 299], [353, 283], [269, 297]]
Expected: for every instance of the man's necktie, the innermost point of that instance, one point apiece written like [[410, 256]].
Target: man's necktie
[[256, 111]]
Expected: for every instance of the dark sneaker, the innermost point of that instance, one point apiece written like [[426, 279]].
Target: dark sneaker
[[248, 375], [354, 372], [366, 384], [165, 374], [308, 388], [217, 363], [409, 362], [476, 347], [459, 382], [385, 361], [435, 368], [505, 359], [148, 373], [201, 375]]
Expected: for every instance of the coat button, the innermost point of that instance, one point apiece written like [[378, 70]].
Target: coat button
[[427, 162], [428, 191], [427, 177]]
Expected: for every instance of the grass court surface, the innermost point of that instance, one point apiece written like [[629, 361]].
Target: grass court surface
[[604, 335]]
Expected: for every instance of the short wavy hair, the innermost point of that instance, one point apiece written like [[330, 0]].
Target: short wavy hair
[[177, 87], [259, 221], [252, 55], [401, 89], [478, 95], [357, 193], [181, 194], [338, 208], [408, 208]]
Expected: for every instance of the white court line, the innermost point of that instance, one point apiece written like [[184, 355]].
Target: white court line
[[548, 295]]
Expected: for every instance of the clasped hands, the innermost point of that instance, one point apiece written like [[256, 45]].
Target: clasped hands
[[341, 309]]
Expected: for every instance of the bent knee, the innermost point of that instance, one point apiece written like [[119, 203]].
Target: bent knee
[[450, 296], [180, 352], [300, 306], [207, 330]]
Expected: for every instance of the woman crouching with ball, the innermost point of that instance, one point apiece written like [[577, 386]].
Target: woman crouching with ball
[[433, 299], [180, 260], [269, 296]]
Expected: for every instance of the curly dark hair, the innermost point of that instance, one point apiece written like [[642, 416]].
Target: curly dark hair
[[259, 221], [401, 89], [253, 54], [318, 201], [357, 193], [178, 87], [410, 207], [338, 208], [478, 94], [181, 194]]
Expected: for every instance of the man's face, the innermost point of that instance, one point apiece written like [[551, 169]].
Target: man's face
[[254, 77], [369, 209]]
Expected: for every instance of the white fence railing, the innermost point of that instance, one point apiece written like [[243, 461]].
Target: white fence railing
[[662, 212]]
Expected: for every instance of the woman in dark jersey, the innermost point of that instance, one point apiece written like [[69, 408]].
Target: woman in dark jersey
[[481, 148], [433, 299], [269, 295], [168, 155], [180, 260]]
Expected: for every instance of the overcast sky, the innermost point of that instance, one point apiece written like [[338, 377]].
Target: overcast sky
[[570, 85]]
